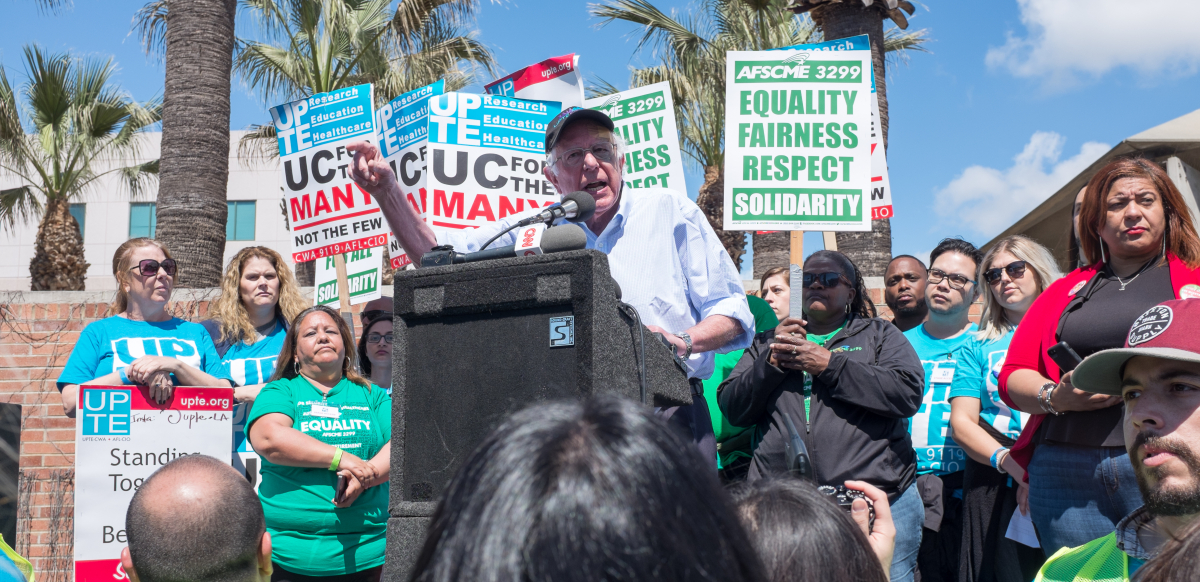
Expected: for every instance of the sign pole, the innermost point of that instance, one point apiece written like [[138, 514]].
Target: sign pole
[[796, 274], [343, 287], [830, 240]]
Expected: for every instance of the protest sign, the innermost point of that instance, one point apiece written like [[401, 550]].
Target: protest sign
[[881, 183], [487, 154], [800, 118], [403, 127], [121, 437], [645, 119], [362, 277], [327, 211], [554, 79]]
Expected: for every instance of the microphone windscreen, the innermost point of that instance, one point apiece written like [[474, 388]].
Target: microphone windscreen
[[564, 237], [585, 203]]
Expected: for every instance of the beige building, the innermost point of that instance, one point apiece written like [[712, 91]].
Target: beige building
[[1175, 145], [109, 217]]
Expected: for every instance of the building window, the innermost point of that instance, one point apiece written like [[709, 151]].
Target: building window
[[240, 223], [79, 211], [142, 218]]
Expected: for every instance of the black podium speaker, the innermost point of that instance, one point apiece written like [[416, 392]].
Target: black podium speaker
[[478, 341]]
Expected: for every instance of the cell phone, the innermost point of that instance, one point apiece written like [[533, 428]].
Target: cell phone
[[340, 489], [1064, 356]]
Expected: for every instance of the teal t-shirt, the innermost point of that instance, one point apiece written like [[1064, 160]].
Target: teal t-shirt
[[251, 364], [309, 535], [111, 344], [937, 452], [723, 364], [985, 359]]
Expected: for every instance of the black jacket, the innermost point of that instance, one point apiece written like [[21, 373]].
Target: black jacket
[[860, 404]]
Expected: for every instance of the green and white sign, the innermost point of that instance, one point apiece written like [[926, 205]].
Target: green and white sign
[[645, 119], [362, 277], [798, 140]]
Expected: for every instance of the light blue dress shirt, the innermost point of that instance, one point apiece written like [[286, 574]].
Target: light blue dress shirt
[[665, 256]]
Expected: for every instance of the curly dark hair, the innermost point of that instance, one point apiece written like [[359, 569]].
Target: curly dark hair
[[861, 305]]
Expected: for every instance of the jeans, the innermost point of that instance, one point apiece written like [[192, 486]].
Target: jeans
[[908, 513], [1078, 494]]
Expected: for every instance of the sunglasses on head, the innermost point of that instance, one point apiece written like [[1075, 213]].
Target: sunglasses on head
[[374, 314], [150, 267], [1015, 270], [826, 279]]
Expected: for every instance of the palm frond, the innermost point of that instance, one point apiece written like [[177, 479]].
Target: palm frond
[[150, 25], [259, 145], [18, 205], [601, 88]]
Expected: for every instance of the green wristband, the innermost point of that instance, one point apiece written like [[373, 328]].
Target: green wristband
[[337, 459]]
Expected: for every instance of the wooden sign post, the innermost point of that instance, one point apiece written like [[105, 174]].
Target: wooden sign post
[[796, 274], [343, 286]]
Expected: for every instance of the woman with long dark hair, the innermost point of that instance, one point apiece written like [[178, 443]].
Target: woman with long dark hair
[[847, 380], [1136, 223]]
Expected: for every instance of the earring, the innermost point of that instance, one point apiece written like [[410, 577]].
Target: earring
[[296, 366], [1103, 259]]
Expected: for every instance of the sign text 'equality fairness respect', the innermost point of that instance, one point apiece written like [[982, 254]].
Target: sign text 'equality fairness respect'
[[797, 135]]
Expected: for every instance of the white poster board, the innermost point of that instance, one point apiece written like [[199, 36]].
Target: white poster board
[[121, 437], [797, 147], [363, 271], [645, 119], [328, 213], [487, 154], [403, 125], [554, 79]]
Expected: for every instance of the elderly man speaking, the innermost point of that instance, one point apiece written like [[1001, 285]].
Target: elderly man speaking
[[661, 250]]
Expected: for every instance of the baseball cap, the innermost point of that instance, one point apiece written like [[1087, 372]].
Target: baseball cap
[[570, 115], [1167, 331]]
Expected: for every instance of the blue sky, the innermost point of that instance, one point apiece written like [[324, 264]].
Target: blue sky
[[1015, 99]]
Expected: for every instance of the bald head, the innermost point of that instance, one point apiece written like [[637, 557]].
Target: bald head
[[195, 519]]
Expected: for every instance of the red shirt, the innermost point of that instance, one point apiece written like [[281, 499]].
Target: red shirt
[[1036, 334]]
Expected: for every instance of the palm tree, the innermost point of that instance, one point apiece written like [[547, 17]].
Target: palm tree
[[871, 251], [73, 127], [197, 38], [317, 46], [692, 51]]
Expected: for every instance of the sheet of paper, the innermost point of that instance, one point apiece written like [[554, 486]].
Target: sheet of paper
[[1020, 530]]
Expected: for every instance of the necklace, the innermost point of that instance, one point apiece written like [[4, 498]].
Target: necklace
[[1135, 275]]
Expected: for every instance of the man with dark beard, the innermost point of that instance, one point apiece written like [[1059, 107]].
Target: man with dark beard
[[1158, 376], [904, 291]]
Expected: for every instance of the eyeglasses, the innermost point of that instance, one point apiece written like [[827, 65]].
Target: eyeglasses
[[957, 282], [150, 267], [1015, 270], [374, 338], [827, 280], [604, 151]]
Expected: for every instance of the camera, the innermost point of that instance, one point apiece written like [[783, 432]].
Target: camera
[[844, 498]]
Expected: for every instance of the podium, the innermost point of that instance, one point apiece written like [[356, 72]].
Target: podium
[[478, 341]]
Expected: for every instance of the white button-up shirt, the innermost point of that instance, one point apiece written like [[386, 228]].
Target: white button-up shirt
[[665, 256]]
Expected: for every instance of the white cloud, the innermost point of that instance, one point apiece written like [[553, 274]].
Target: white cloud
[[1069, 37], [984, 201]]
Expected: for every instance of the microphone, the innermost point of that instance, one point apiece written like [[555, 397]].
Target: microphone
[[567, 237], [575, 207]]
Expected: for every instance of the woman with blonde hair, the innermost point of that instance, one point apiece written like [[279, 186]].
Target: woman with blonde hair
[[1015, 271], [142, 344], [319, 423], [259, 296]]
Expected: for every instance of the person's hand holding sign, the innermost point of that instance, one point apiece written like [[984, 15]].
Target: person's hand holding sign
[[791, 351]]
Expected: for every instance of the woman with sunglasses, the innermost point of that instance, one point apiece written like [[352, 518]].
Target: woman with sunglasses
[[142, 344], [259, 296], [848, 381], [1081, 484], [1016, 270]]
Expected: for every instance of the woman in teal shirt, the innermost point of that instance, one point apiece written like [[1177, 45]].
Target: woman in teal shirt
[[316, 420]]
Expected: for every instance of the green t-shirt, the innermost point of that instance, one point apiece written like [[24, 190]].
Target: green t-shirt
[[726, 433], [309, 535], [820, 340]]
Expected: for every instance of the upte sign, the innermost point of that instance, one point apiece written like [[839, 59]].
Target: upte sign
[[121, 438]]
